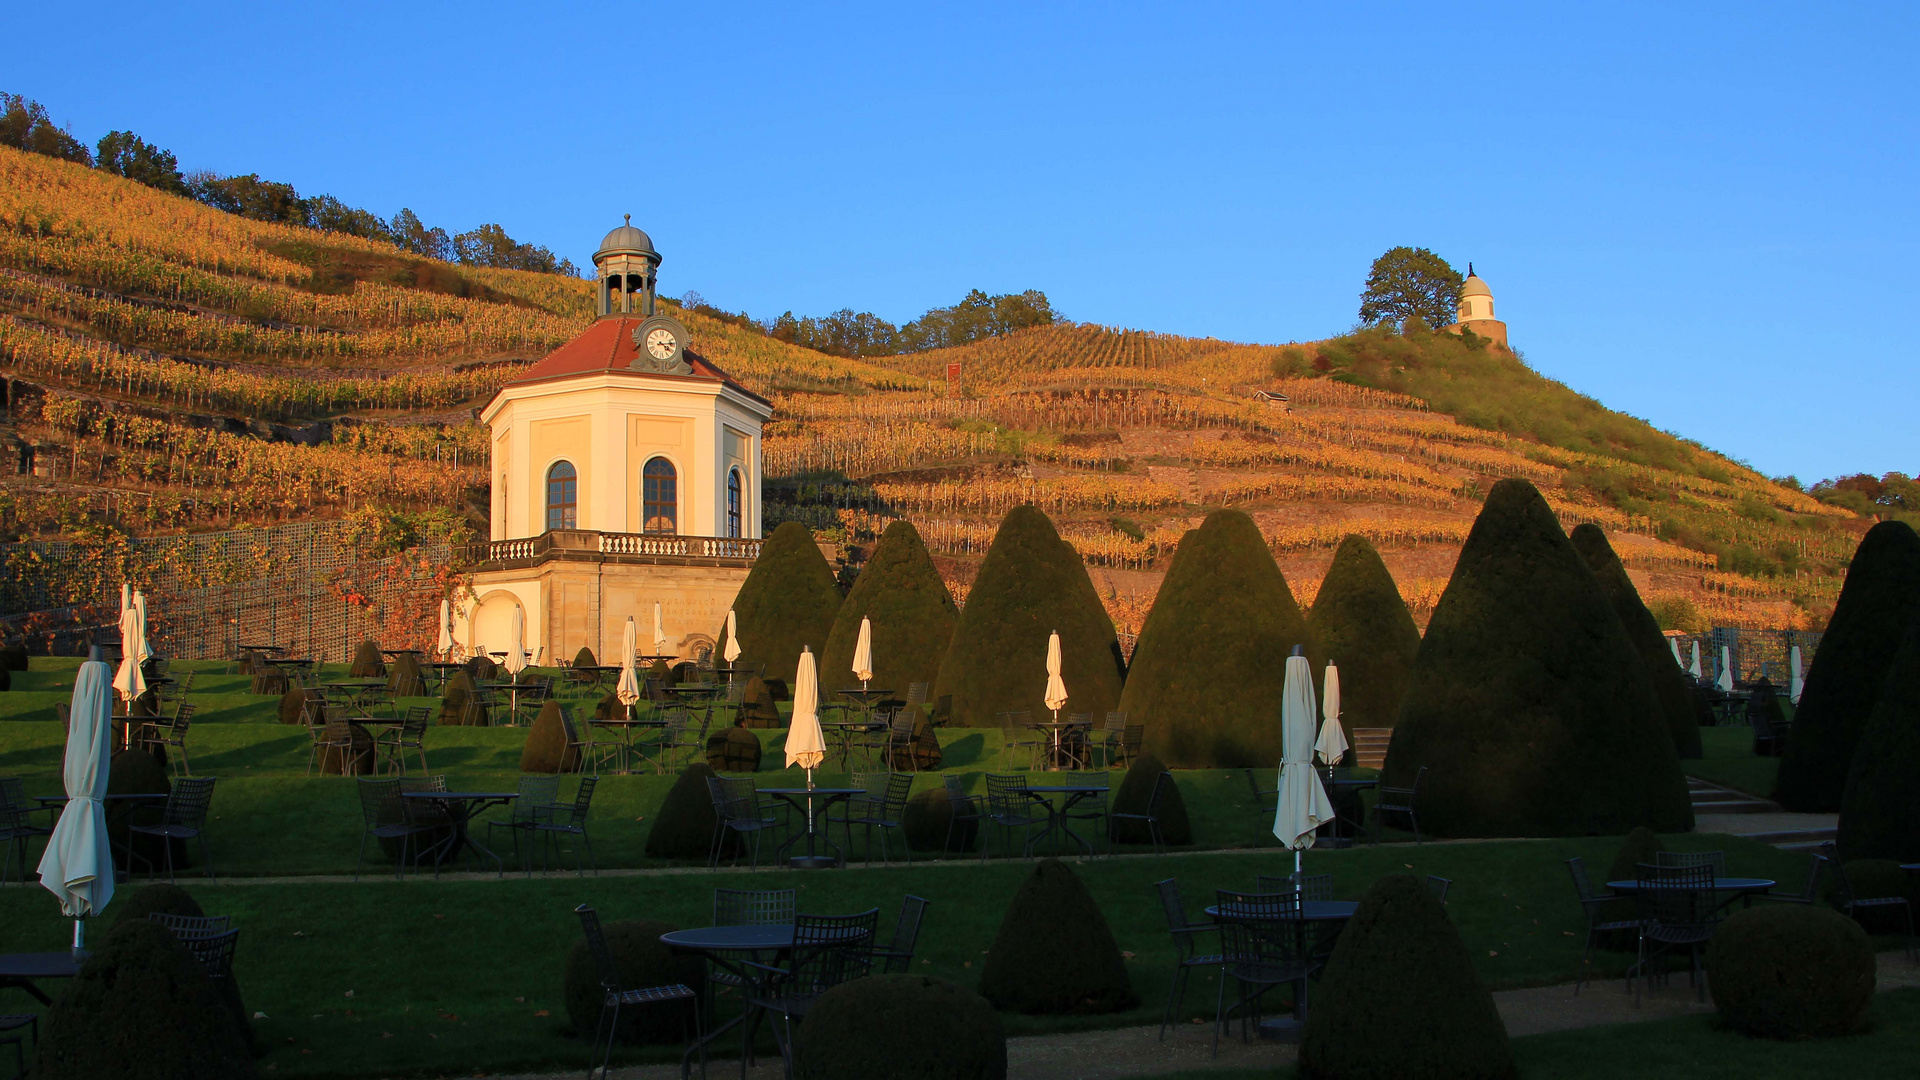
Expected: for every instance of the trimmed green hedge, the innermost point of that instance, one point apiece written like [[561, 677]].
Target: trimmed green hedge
[[642, 962], [1399, 997], [1880, 814], [887, 1026], [1030, 584], [1360, 624], [1671, 684], [141, 1008], [1880, 599], [912, 614], [1791, 971], [1528, 702], [1054, 952], [788, 602], [1207, 672]]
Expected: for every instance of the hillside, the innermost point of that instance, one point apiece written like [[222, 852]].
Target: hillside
[[173, 368]]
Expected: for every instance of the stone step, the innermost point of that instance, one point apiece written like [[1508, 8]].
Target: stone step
[[1370, 746], [1794, 839], [1724, 804]]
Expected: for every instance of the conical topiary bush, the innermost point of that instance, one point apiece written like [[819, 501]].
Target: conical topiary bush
[[1879, 601], [141, 1008], [1671, 685], [367, 663], [164, 898], [1360, 624], [787, 603], [1136, 790], [888, 1026], [546, 749], [683, 826], [293, 706], [1528, 703], [405, 680], [584, 658], [757, 705], [911, 612], [1880, 815], [1208, 669], [454, 697], [1030, 584], [1054, 952], [1399, 997]]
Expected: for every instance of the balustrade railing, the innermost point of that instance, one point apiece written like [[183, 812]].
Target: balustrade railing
[[642, 544]]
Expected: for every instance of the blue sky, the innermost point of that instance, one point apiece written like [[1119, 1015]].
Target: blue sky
[[1695, 213]]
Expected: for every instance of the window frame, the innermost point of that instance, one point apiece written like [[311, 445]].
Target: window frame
[[648, 502], [563, 514]]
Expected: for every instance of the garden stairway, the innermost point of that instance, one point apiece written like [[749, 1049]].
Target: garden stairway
[[1370, 746], [1723, 810]]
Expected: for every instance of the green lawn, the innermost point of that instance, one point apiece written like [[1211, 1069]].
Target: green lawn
[[1730, 761], [1699, 1048]]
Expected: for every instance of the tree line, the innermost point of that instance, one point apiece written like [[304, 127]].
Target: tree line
[[24, 125], [846, 332]]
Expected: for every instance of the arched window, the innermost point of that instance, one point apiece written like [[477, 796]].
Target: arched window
[[659, 497], [733, 502], [563, 497]]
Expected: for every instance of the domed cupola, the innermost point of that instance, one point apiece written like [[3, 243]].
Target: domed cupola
[[629, 270]]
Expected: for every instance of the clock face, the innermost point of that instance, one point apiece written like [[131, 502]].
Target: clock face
[[660, 343]]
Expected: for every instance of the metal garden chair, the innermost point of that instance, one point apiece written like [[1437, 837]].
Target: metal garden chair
[[171, 734], [1162, 784], [1594, 907], [737, 811], [386, 817], [536, 795], [1188, 938], [410, 735], [183, 819], [827, 950], [896, 956], [1677, 909], [1395, 800], [1010, 807], [1264, 943], [961, 808], [616, 997], [569, 819], [1853, 905]]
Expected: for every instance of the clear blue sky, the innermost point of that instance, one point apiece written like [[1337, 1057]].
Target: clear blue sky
[[1695, 213]]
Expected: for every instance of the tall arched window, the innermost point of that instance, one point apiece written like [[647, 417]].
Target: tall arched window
[[733, 502], [659, 497], [563, 497]]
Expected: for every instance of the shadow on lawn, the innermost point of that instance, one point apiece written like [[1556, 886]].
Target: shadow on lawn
[[963, 752]]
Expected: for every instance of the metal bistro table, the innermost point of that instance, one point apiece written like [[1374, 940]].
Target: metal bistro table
[[794, 797], [1345, 829], [357, 694], [843, 732], [729, 947], [1057, 815], [1737, 888], [442, 670], [628, 748], [1332, 917], [19, 970], [462, 807], [1055, 730]]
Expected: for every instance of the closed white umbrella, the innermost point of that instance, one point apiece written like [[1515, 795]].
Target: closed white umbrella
[[628, 690], [806, 744], [1794, 682], [78, 864], [1056, 689], [659, 632], [863, 654], [1303, 804], [1725, 680], [1693, 669], [445, 644], [130, 681], [732, 651], [517, 643], [1332, 743], [140, 612], [1674, 644]]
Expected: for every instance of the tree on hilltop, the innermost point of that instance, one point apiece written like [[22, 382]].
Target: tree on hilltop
[[24, 125], [1411, 283], [125, 154]]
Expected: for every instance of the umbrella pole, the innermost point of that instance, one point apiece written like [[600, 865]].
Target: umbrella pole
[[79, 934]]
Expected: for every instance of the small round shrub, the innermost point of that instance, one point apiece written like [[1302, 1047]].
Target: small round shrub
[[927, 818], [584, 658], [293, 706], [13, 658], [733, 749], [683, 826], [454, 698], [367, 663], [757, 708], [546, 749], [405, 680], [887, 1026], [1791, 971], [1136, 790], [1054, 952], [141, 1008], [1399, 997], [642, 962]]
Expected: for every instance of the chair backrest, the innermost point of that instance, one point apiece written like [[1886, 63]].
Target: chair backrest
[[1403, 797], [566, 727], [313, 705], [429, 782], [13, 793], [1007, 794], [1116, 721], [1582, 882], [831, 949], [582, 800], [917, 693], [1257, 907], [873, 783], [379, 800], [958, 800], [1016, 718], [182, 719], [63, 711], [597, 946], [187, 804], [1439, 886], [215, 952], [1176, 909], [1814, 870], [753, 907], [1132, 738], [535, 792], [1715, 859], [188, 927], [413, 726], [1843, 893], [1674, 895], [1161, 785], [900, 725], [894, 798], [906, 932], [733, 798], [1309, 886]]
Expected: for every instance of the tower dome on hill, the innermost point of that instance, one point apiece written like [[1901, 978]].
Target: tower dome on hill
[[1475, 311], [627, 239]]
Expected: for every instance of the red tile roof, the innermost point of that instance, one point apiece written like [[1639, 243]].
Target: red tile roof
[[608, 345]]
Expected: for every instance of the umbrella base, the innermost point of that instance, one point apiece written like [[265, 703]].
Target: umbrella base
[[813, 862]]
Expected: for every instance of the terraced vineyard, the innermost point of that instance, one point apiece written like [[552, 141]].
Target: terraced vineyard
[[173, 368]]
